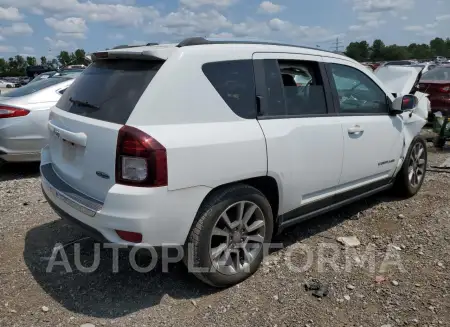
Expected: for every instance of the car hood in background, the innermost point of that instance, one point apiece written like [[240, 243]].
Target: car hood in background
[[399, 79]]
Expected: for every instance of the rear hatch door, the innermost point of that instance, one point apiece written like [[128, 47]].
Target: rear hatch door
[[85, 122]]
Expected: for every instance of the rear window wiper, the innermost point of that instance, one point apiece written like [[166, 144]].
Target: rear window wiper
[[83, 103]]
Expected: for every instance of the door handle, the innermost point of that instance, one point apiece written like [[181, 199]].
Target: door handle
[[75, 138], [355, 129]]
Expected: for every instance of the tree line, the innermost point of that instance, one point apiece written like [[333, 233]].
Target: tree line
[[378, 51], [16, 66], [360, 51]]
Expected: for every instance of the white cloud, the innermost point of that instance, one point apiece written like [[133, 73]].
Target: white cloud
[[270, 7], [404, 18], [70, 27], [382, 5], [221, 35], [60, 44], [188, 23], [116, 36], [185, 23], [443, 17], [200, 3], [413, 28], [28, 49], [10, 13], [114, 14], [37, 11], [7, 48], [371, 12], [138, 42], [16, 29]]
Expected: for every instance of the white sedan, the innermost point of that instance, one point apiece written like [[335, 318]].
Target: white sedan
[[6, 84], [23, 118]]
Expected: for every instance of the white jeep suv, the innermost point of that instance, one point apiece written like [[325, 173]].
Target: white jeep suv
[[215, 144]]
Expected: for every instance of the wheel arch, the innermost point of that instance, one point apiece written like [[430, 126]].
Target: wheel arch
[[267, 185]]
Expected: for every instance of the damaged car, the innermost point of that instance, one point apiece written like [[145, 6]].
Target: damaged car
[[403, 80]]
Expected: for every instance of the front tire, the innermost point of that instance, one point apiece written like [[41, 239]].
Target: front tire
[[410, 178], [228, 236], [8, 86]]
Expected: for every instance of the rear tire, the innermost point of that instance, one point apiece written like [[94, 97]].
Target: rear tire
[[410, 178], [226, 248], [8, 86]]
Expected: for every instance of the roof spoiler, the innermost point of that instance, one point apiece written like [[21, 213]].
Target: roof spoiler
[[124, 54]]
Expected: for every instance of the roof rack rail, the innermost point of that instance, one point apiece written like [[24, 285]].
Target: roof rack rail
[[125, 46], [201, 41], [193, 41]]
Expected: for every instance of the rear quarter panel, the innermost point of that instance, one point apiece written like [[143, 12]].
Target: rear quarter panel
[[207, 143]]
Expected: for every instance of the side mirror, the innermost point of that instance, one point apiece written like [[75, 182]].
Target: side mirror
[[404, 103]]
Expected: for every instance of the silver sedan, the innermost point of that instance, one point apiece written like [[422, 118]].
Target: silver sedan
[[24, 114]]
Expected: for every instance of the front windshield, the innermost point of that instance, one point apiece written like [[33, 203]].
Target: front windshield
[[437, 74], [36, 86]]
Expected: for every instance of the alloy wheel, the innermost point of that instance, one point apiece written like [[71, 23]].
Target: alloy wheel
[[416, 169], [237, 237]]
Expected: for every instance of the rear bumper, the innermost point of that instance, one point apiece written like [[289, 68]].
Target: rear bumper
[[22, 138], [162, 217], [88, 230]]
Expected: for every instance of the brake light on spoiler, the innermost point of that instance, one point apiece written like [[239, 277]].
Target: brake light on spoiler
[[11, 112]]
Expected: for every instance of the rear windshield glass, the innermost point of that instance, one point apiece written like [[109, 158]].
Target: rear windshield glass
[[108, 90], [36, 86], [437, 74]]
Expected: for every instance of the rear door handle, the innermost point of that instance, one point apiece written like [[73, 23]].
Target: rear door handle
[[355, 129], [75, 138]]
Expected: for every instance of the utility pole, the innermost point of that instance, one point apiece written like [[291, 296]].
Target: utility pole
[[338, 44]]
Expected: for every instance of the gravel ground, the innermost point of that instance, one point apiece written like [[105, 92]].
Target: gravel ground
[[413, 290]]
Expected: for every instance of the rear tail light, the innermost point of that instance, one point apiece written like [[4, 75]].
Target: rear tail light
[[140, 159], [444, 89], [11, 112]]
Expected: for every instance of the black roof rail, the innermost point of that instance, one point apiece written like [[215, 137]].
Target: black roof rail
[[125, 46], [193, 41], [201, 41]]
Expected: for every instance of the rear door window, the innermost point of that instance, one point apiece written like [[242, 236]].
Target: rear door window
[[235, 83], [294, 88], [108, 90]]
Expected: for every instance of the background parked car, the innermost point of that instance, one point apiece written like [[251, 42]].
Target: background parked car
[[23, 118], [436, 83], [6, 84], [426, 66]]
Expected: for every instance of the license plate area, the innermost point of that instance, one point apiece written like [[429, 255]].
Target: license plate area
[[69, 150]]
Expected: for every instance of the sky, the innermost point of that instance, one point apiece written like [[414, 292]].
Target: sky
[[45, 27]]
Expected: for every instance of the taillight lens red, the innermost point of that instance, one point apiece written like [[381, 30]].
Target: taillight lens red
[[130, 236], [444, 89], [11, 112], [140, 159]]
